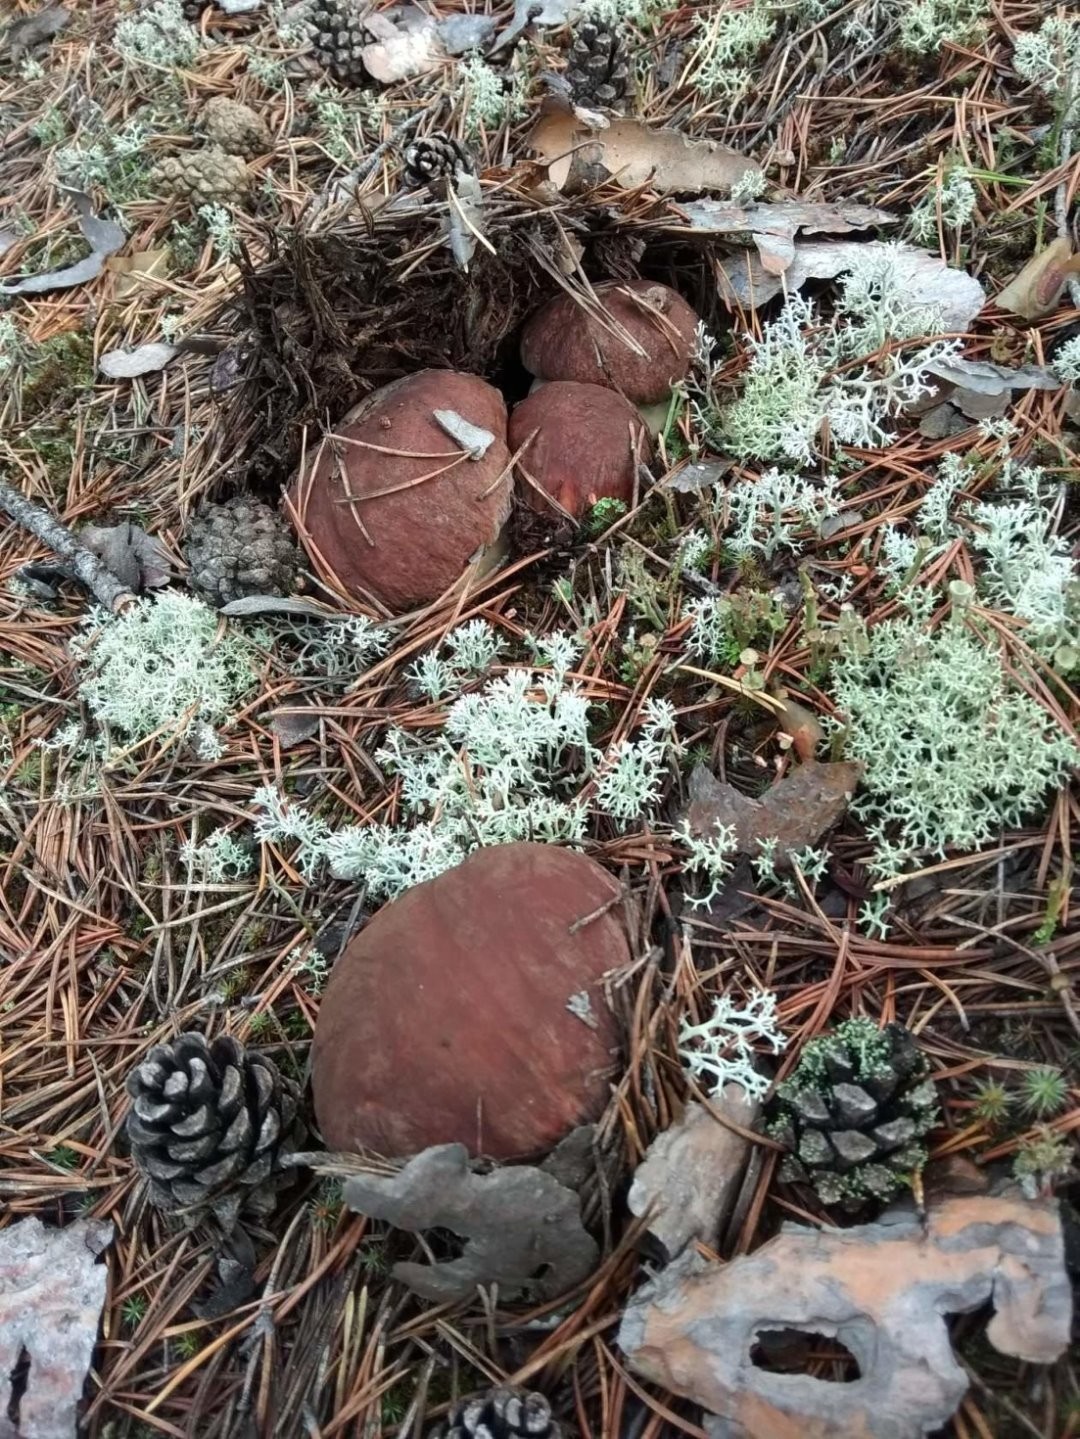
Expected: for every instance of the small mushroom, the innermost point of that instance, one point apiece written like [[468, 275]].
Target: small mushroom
[[392, 507], [584, 445], [470, 1010], [641, 347]]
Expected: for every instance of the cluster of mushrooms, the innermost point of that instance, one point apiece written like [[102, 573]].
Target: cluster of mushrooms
[[394, 510]]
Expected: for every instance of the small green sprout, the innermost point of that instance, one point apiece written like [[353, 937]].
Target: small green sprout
[[992, 1103], [1044, 1092], [604, 514]]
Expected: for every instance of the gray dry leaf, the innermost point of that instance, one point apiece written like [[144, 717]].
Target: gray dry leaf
[[31, 30], [522, 1228], [51, 1293], [883, 1290], [773, 227], [744, 281], [537, 12], [464, 224], [691, 1172], [632, 153], [136, 559], [407, 43], [796, 811], [983, 377], [699, 475], [277, 605], [460, 33], [472, 439], [105, 239], [144, 360], [293, 727]]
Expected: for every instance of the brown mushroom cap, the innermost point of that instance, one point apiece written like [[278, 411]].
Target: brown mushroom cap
[[584, 447], [445, 1019], [563, 342], [421, 509]]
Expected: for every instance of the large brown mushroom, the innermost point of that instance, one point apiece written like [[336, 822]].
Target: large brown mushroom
[[470, 1010], [392, 507], [579, 444], [642, 345]]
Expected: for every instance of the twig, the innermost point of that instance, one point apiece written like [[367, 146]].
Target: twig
[[86, 567], [344, 187]]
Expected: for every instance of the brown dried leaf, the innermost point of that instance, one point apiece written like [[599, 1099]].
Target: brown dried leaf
[[1037, 288], [632, 154], [522, 1228], [51, 1294], [796, 811], [132, 271], [800, 723], [690, 1173], [883, 1291]]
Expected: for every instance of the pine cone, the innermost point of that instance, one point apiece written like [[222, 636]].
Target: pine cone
[[209, 1125], [340, 36], [204, 177], [596, 68], [854, 1113], [434, 157], [235, 128], [239, 547], [501, 1414]]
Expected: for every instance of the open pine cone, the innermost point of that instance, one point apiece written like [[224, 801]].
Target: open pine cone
[[209, 1126], [240, 547], [340, 36], [596, 68], [854, 1113], [203, 177], [434, 157], [501, 1414]]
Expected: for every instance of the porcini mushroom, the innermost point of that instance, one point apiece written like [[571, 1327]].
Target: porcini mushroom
[[579, 444], [641, 346], [391, 506], [470, 1010]]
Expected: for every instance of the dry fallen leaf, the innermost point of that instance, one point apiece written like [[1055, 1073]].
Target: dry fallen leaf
[[773, 227], [691, 1172], [473, 440], [632, 154], [132, 271], [136, 559], [464, 223], [796, 811], [145, 360], [51, 1294], [105, 239], [883, 1291], [1037, 288], [407, 43], [744, 281], [522, 1228], [460, 33], [31, 30]]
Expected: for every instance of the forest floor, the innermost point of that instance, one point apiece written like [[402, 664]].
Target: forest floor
[[117, 931]]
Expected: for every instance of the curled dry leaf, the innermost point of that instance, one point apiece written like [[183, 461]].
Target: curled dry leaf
[[796, 811], [632, 154], [691, 1172], [1037, 288], [522, 1228], [745, 282], [882, 1290], [773, 227], [136, 559], [105, 239], [51, 1293], [473, 440]]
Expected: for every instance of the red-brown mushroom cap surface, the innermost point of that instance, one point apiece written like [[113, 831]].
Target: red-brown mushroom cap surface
[[584, 448], [445, 1019], [394, 508], [562, 341]]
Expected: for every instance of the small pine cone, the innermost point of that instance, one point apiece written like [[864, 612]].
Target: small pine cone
[[340, 36], [209, 1126], [434, 157], [854, 1113], [240, 547], [501, 1414], [203, 177], [235, 128], [596, 68]]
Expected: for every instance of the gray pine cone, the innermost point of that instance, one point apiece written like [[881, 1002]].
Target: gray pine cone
[[235, 128], [596, 68], [434, 157], [202, 177], [501, 1414], [240, 547], [340, 36], [209, 1125], [854, 1113]]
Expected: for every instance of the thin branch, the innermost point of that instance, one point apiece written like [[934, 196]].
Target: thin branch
[[85, 566]]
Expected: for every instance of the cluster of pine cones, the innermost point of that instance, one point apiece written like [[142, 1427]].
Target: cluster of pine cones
[[217, 173]]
